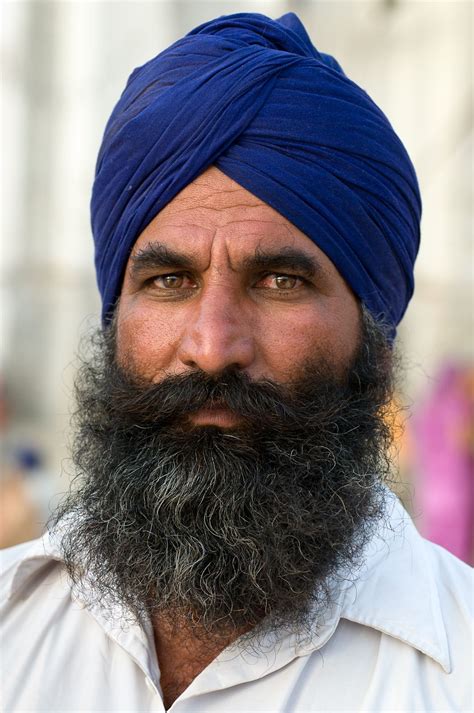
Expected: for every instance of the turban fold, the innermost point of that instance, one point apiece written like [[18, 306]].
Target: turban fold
[[254, 97]]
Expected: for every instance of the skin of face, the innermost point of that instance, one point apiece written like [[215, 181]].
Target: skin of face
[[220, 279]]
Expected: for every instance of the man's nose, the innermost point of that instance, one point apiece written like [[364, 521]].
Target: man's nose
[[218, 335]]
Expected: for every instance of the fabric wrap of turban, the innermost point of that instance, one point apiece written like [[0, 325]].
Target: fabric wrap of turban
[[255, 98]]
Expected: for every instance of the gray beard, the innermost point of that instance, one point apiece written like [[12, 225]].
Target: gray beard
[[226, 530]]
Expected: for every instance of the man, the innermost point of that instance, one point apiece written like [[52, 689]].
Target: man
[[231, 544]]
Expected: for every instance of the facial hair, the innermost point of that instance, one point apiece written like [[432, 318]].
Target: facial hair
[[226, 529]]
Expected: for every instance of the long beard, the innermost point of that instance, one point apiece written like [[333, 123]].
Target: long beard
[[226, 529]]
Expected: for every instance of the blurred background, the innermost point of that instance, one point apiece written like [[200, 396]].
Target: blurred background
[[64, 66]]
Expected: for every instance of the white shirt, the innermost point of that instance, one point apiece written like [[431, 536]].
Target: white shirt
[[399, 639]]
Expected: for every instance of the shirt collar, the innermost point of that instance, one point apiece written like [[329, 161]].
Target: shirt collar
[[395, 591], [34, 555]]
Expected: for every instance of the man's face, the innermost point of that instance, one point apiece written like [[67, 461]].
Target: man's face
[[229, 432], [219, 279]]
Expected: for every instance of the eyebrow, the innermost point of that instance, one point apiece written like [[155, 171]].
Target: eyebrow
[[284, 259], [156, 255]]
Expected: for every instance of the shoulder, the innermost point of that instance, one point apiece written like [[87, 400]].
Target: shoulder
[[408, 622], [44, 630], [25, 568], [13, 559], [13, 555], [453, 581], [452, 574], [418, 594]]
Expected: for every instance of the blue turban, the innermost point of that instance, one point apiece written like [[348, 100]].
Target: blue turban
[[253, 97]]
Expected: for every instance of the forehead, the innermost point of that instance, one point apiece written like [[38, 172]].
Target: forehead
[[215, 210]]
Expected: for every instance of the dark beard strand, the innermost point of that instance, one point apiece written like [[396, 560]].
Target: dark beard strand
[[226, 530]]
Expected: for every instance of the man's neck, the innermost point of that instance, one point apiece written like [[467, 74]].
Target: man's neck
[[183, 652]]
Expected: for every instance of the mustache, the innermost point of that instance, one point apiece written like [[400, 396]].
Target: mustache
[[131, 401]]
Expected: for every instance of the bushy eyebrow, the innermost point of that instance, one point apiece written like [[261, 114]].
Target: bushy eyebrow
[[284, 259], [156, 255]]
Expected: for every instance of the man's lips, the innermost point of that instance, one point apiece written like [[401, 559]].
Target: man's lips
[[215, 414]]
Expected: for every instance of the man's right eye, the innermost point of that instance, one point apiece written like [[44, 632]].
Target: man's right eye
[[173, 282]]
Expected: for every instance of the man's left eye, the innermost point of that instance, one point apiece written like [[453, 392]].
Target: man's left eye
[[276, 281]]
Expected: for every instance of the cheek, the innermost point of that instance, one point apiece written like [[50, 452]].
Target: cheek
[[308, 333], [146, 340]]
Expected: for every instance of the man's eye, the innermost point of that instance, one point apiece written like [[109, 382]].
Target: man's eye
[[277, 281], [173, 282]]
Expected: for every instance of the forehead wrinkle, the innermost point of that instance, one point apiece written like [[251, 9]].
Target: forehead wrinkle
[[198, 234], [203, 192], [255, 228], [209, 204], [233, 206], [277, 222]]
